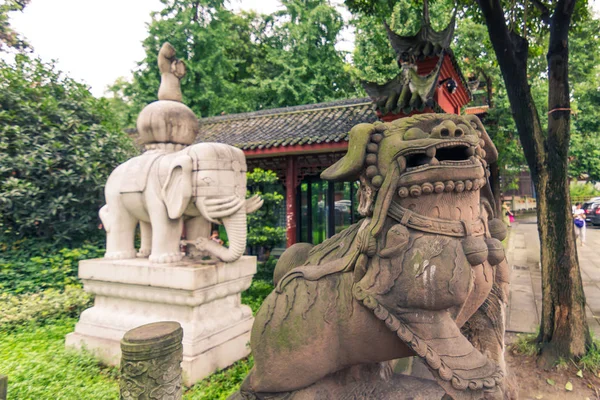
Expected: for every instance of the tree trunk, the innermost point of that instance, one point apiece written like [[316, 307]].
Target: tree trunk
[[496, 190], [563, 332]]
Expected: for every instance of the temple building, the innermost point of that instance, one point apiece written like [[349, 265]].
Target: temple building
[[298, 143]]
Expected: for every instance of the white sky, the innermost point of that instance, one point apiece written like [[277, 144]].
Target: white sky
[[98, 41]]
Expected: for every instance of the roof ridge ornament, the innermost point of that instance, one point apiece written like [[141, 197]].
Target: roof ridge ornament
[[427, 42], [172, 70], [168, 120]]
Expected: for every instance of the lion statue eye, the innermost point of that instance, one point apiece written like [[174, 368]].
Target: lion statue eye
[[415, 133]]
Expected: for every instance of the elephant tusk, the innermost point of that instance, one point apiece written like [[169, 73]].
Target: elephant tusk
[[218, 201], [213, 209], [225, 212], [204, 212], [253, 204], [224, 206]]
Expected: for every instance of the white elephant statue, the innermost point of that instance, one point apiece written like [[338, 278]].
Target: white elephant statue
[[164, 189]]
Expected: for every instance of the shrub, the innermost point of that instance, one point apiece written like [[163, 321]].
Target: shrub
[[264, 270], [58, 144], [264, 231], [256, 294], [583, 191], [43, 307], [25, 269]]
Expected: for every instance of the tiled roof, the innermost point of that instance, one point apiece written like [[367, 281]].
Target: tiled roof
[[307, 124]]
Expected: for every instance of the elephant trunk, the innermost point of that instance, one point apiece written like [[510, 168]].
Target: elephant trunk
[[236, 226]]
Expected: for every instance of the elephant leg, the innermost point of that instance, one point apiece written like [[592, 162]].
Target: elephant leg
[[146, 245], [195, 228], [166, 236], [120, 231]]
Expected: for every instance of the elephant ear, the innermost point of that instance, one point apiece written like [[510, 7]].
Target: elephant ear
[[348, 167], [177, 190]]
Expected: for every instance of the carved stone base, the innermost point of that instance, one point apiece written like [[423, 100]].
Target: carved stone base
[[364, 382], [204, 299]]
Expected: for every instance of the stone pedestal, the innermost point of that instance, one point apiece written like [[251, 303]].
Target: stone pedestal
[[204, 299]]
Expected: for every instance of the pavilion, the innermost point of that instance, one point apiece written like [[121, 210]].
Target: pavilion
[[298, 143]]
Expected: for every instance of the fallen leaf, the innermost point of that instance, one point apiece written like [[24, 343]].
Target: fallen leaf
[[539, 397], [550, 382], [569, 386], [580, 373]]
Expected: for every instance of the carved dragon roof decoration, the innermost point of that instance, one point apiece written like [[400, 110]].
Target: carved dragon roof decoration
[[414, 88], [425, 43], [408, 91]]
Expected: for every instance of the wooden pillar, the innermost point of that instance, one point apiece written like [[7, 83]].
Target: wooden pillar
[[290, 200]]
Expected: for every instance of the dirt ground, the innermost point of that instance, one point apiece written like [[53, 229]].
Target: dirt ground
[[534, 384]]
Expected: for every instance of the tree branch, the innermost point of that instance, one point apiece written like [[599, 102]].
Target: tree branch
[[543, 9]]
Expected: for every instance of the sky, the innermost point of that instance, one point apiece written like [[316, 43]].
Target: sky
[[97, 42]]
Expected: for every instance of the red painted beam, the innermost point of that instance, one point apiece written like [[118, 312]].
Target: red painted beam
[[290, 200], [297, 149]]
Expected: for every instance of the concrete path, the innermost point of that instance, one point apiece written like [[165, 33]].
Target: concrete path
[[523, 252]]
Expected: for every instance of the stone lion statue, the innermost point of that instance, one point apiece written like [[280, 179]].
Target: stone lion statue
[[423, 274]]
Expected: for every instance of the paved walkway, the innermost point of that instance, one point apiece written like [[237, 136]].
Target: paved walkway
[[523, 252]]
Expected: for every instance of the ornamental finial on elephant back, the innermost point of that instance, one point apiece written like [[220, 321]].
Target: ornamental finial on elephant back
[[422, 274], [168, 120]]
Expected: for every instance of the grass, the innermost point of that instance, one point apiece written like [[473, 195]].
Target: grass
[[221, 384], [33, 354], [39, 367], [526, 344]]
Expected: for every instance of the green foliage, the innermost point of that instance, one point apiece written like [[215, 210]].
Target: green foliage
[[221, 384], [584, 71], [58, 144], [526, 344], [265, 270], [263, 230], [32, 332], [591, 360], [120, 104], [300, 64], [39, 367], [256, 293], [238, 62], [41, 308], [581, 191], [26, 268], [8, 37]]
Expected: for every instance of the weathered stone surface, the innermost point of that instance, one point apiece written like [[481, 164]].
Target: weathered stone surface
[[419, 275], [3, 387], [358, 384], [204, 299], [151, 362]]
